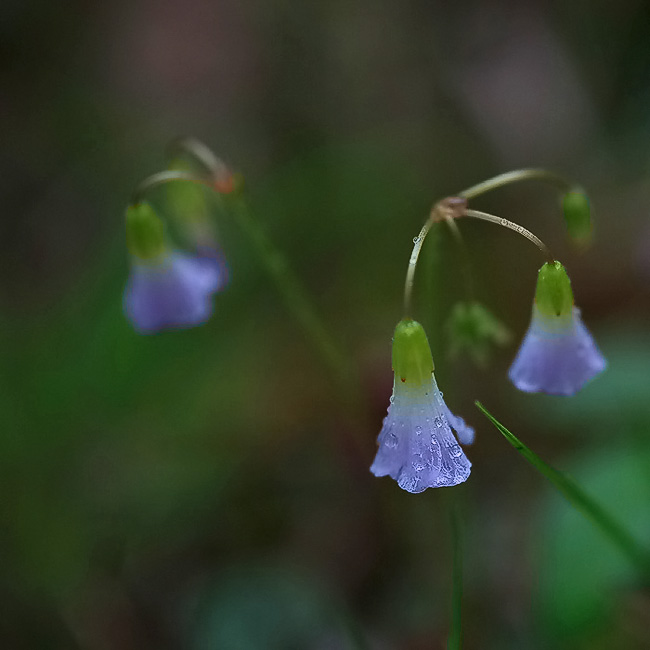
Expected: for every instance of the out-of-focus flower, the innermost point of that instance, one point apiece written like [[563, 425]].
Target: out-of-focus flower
[[475, 330], [166, 289], [558, 354], [416, 445]]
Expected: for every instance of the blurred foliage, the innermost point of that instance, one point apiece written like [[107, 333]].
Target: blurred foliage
[[475, 331]]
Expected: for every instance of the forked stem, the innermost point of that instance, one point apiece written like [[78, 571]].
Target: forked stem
[[449, 208]]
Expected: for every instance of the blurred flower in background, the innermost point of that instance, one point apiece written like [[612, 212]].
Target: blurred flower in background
[[166, 289]]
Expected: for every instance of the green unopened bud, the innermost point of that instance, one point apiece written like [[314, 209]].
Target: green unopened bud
[[412, 360], [145, 232], [577, 215], [473, 329], [553, 295]]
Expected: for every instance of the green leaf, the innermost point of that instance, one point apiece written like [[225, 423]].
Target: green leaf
[[581, 501], [580, 571]]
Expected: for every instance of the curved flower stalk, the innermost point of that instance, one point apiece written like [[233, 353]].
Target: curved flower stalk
[[167, 289], [558, 354], [416, 445]]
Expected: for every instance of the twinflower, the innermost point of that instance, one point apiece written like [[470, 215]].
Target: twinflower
[[417, 447]]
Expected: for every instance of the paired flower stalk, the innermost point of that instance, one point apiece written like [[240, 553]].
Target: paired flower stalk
[[558, 356], [420, 442]]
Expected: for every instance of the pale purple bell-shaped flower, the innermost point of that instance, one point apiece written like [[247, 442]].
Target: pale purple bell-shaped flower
[[558, 355], [416, 445], [173, 291]]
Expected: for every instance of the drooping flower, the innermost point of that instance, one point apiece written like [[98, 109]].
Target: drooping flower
[[558, 355], [166, 289], [416, 445]]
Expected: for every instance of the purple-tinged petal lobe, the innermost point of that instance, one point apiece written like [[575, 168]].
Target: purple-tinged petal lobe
[[173, 292], [464, 432], [416, 445], [558, 356]]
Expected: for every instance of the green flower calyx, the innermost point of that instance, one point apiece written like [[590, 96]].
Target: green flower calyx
[[412, 360], [553, 295]]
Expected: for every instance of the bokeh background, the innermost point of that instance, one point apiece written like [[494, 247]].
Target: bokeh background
[[210, 488]]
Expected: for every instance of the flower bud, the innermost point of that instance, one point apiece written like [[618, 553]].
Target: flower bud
[[577, 215], [412, 360], [145, 232], [553, 295], [473, 329]]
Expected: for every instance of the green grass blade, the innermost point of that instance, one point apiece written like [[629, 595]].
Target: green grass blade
[[455, 633], [580, 500]]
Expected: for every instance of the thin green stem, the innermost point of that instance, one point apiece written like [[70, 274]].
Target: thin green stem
[[449, 208], [455, 634], [506, 223], [413, 262], [294, 296], [515, 177], [162, 178], [465, 259], [581, 501], [201, 153]]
